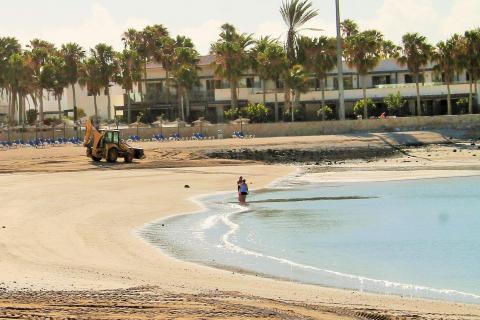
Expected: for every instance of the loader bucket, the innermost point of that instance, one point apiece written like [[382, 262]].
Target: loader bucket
[[138, 153]]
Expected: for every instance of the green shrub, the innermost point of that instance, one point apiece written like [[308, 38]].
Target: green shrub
[[257, 113], [394, 102], [325, 113], [360, 105], [51, 121], [462, 105], [299, 114], [32, 115], [146, 117], [81, 113], [232, 113]]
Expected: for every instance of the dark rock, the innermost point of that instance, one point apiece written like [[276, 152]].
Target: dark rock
[[187, 186]]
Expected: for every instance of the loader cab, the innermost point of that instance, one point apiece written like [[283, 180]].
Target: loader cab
[[112, 136]]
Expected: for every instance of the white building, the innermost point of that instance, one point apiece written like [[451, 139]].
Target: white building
[[212, 97], [50, 106]]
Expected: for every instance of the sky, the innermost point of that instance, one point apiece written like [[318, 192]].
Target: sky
[[89, 22]]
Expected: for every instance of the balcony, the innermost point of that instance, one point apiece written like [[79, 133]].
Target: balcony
[[162, 98]]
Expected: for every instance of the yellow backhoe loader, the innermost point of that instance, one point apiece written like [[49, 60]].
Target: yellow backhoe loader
[[106, 144]]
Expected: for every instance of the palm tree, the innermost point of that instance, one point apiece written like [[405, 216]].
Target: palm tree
[[72, 54], [104, 54], [320, 56], [146, 42], [152, 38], [128, 72], [261, 46], [8, 47], [185, 74], [415, 54], [132, 41], [231, 57], [54, 76], [41, 50], [90, 78], [165, 54], [295, 14], [472, 61], [448, 62], [296, 80], [363, 51], [19, 77], [274, 64], [349, 28]]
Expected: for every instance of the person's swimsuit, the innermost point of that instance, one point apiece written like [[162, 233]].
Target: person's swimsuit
[[244, 189]]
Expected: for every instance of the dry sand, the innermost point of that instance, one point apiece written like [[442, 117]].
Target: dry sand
[[74, 230]]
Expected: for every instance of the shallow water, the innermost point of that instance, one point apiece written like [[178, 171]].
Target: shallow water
[[415, 238]]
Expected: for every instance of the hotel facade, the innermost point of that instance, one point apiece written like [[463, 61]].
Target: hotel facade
[[212, 97]]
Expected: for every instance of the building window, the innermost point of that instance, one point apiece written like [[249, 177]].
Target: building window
[[280, 84], [409, 78], [347, 83], [381, 80], [250, 82], [213, 84]]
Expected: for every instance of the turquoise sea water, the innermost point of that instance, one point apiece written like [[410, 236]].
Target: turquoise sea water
[[416, 238]]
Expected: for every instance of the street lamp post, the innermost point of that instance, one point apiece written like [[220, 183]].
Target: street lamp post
[[341, 92]]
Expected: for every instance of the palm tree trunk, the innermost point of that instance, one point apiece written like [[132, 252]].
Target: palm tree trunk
[[145, 79], [59, 101], [287, 97], [75, 111], [13, 107], [182, 113], [419, 101], [322, 87], [40, 99], [293, 105], [449, 100], [365, 106], [476, 93], [167, 84], [95, 105], [470, 97], [129, 108], [233, 94], [264, 92], [34, 100], [187, 103], [20, 109], [276, 105], [109, 105]]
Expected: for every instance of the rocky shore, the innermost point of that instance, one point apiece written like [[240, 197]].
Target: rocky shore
[[309, 156]]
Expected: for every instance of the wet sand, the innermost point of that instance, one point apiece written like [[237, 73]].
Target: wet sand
[[71, 232]]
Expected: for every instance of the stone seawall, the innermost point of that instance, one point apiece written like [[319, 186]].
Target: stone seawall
[[466, 125]]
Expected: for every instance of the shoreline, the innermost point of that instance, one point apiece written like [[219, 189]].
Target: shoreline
[[299, 174], [77, 237]]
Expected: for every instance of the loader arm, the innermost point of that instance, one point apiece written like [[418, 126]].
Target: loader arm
[[92, 137]]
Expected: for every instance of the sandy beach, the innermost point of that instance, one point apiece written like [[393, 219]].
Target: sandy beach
[[69, 247]]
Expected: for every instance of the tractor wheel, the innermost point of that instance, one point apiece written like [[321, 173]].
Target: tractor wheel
[[128, 158], [112, 155], [96, 159]]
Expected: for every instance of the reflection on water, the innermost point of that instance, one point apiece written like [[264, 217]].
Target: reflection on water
[[413, 238]]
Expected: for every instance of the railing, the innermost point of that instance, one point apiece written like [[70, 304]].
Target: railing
[[164, 98]]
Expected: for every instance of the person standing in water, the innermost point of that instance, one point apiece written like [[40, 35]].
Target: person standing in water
[[239, 183], [243, 192]]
